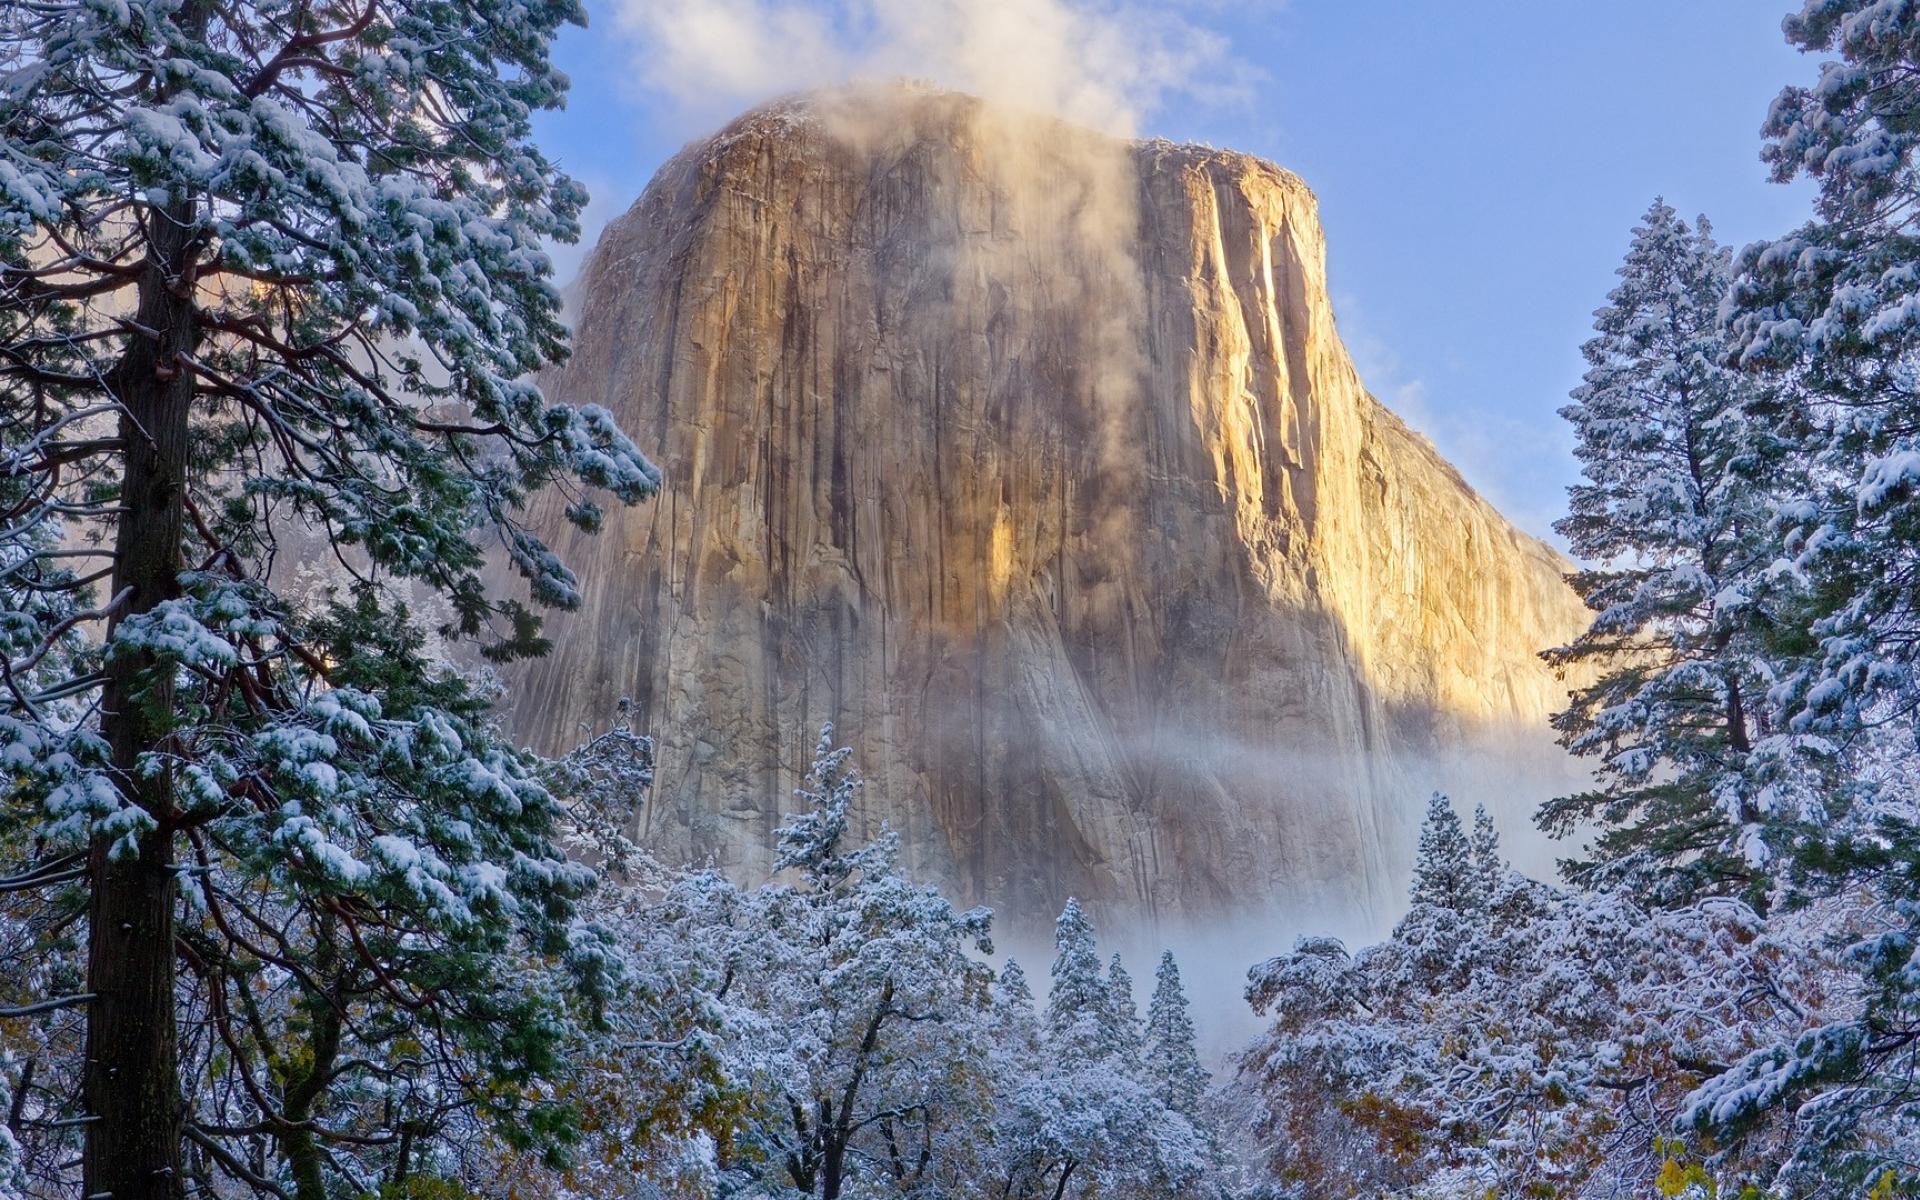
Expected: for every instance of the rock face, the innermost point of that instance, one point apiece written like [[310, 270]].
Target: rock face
[[1031, 458]]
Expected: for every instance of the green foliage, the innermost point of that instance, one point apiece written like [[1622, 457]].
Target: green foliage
[[273, 288], [1673, 516]]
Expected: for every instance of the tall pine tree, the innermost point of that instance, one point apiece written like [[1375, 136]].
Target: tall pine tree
[[1016, 1021], [1125, 1009], [1835, 305], [1079, 1017], [272, 286], [1834, 308], [1672, 517], [1489, 868], [866, 998], [1171, 1059]]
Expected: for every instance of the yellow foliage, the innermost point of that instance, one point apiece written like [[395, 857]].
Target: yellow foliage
[[1676, 1178]]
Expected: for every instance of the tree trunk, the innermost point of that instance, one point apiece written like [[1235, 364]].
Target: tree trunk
[[304, 1093], [298, 1143], [833, 1169], [131, 1080], [1736, 718], [1066, 1173]]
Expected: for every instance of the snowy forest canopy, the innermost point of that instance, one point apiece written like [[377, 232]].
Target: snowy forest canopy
[[283, 914]]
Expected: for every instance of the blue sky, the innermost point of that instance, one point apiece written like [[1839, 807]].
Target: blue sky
[[1478, 164]]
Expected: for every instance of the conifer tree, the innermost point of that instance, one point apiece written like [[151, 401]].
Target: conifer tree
[[863, 996], [1443, 868], [1014, 993], [1835, 306], [1087, 1118], [1015, 1018], [272, 284], [1123, 1006], [1172, 1060], [1079, 1017], [1484, 843], [813, 841], [1833, 309], [1672, 514]]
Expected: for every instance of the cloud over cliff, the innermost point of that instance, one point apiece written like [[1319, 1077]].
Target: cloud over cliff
[[1104, 63]]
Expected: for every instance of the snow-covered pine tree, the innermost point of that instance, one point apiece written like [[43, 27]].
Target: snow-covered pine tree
[[1171, 1057], [1443, 867], [1835, 307], [271, 279], [813, 841], [1079, 1017], [1484, 844], [1011, 990], [1016, 1019], [1125, 1009], [1673, 516], [1836, 303], [1084, 1118]]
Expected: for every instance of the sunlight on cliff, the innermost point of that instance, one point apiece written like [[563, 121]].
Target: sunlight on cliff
[[1031, 458], [1000, 555]]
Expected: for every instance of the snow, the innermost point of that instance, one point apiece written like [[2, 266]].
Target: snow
[[1723, 996], [1885, 475]]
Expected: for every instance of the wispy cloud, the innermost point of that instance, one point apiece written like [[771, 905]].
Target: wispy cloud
[[1107, 63]]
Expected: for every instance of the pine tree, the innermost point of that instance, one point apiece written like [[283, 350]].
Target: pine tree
[[1443, 868], [1673, 515], [1012, 989], [1172, 1060], [1086, 1115], [1484, 843], [1079, 1017], [272, 278], [811, 842], [1832, 309], [1835, 306], [1016, 1020], [1124, 1008]]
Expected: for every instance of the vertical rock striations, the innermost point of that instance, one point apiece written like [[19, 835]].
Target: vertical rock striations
[[1032, 459]]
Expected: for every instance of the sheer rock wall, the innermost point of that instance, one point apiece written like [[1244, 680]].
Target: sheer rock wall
[[1031, 458]]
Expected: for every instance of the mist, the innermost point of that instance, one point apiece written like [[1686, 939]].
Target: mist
[[1508, 771]]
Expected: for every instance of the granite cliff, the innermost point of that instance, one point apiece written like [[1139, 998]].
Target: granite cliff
[[1032, 459]]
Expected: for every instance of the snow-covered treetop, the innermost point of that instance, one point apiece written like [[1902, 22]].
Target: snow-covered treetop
[[1443, 865], [813, 841]]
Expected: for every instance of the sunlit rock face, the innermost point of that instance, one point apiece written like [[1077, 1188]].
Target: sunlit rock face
[[1031, 459]]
